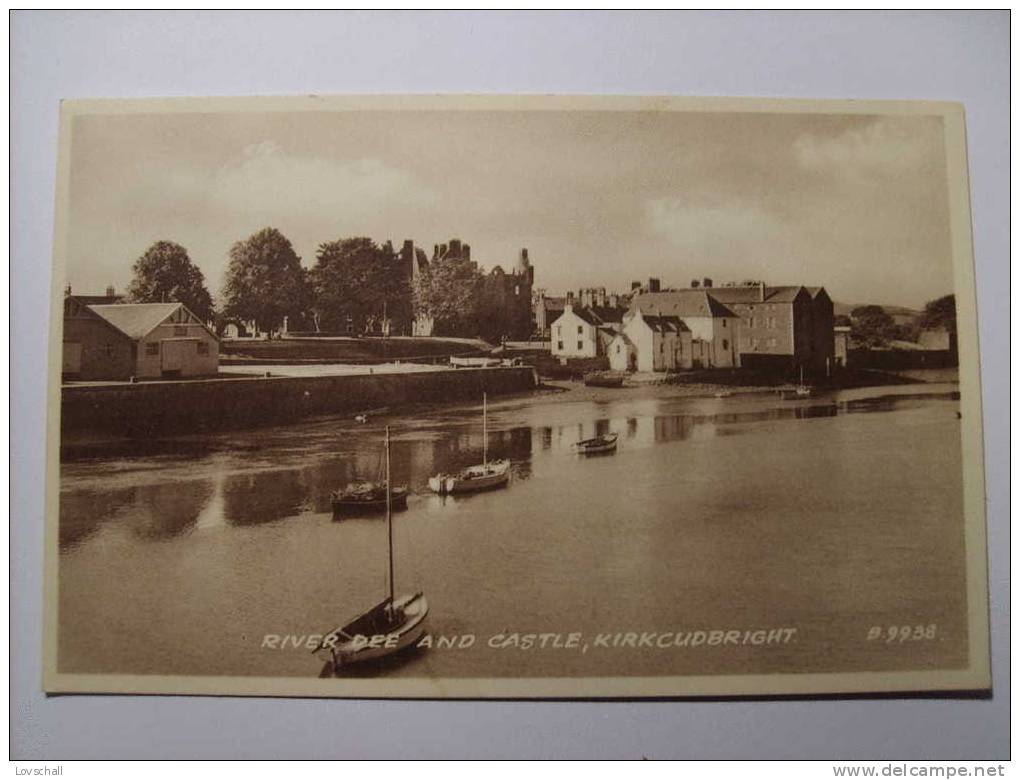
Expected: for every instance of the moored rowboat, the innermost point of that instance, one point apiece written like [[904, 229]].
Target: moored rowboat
[[367, 497], [604, 443], [603, 379]]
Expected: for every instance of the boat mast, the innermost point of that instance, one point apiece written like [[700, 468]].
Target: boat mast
[[389, 515], [485, 430]]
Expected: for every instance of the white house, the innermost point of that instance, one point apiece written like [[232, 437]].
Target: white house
[[710, 322], [575, 333], [651, 342]]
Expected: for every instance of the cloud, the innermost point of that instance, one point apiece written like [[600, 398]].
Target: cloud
[[884, 146], [270, 184], [712, 229]]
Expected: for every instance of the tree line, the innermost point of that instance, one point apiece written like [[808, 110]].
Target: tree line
[[873, 326], [354, 285]]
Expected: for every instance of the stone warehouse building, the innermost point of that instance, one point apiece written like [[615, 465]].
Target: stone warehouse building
[[143, 340], [754, 325]]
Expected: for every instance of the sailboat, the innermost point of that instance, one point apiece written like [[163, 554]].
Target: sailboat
[[395, 623], [801, 391], [485, 476]]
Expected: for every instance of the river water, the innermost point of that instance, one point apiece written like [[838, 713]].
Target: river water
[[726, 535]]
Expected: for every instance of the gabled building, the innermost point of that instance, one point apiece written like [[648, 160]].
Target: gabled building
[[142, 340], [782, 327], [651, 342], [713, 325], [583, 331]]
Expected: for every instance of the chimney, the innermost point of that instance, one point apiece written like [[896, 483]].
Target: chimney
[[635, 286], [407, 251], [570, 295], [435, 251], [466, 249], [524, 256], [653, 284], [695, 284], [761, 291], [110, 291], [454, 247], [706, 282]]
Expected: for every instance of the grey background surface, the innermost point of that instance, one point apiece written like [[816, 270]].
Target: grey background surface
[[961, 56]]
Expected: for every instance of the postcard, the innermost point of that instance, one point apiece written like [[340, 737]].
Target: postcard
[[514, 397]]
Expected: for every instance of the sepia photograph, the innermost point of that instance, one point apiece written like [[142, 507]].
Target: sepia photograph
[[514, 397]]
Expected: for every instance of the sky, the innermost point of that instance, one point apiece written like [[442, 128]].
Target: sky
[[858, 204]]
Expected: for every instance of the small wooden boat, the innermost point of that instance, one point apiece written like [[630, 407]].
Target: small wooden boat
[[801, 391], [604, 443], [474, 362], [394, 624], [367, 497], [487, 475], [603, 379]]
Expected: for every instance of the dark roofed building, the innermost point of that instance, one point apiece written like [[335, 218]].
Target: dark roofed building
[[782, 327]]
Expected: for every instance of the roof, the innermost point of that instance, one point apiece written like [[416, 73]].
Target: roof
[[587, 315], [136, 320], [597, 315], [609, 314], [681, 303], [664, 323], [92, 300], [754, 294]]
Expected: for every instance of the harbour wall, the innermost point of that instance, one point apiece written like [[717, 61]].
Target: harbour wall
[[167, 408]]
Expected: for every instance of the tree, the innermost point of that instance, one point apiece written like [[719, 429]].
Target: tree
[[872, 326], [449, 291], [354, 278], [940, 314], [165, 273], [265, 281]]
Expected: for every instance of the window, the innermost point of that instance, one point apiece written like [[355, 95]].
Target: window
[[617, 349], [152, 348], [517, 289], [559, 329], [724, 323], [203, 348], [559, 345], [725, 344], [580, 330], [580, 345]]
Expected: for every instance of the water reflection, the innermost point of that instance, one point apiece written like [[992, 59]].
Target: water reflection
[[263, 494], [82, 513], [251, 499]]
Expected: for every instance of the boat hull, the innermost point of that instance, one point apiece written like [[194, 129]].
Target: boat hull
[[603, 380], [474, 479], [598, 445], [364, 639], [398, 501]]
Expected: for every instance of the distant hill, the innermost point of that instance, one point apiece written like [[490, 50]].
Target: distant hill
[[901, 314]]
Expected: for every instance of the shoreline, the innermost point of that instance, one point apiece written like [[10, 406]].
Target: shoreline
[[81, 445]]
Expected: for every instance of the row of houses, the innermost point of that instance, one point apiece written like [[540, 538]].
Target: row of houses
[[779, 328]]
